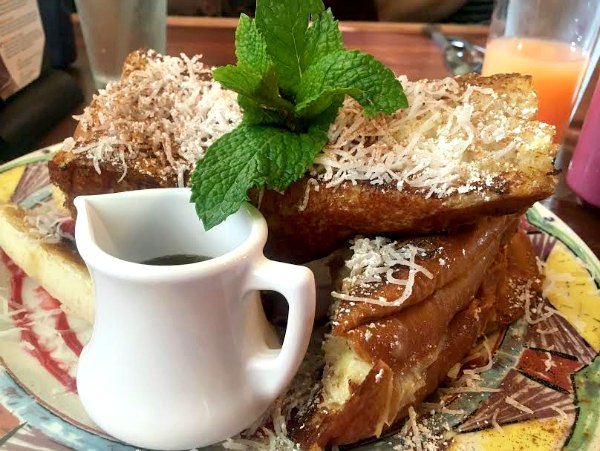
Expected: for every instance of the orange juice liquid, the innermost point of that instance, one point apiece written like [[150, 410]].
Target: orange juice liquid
[[557, 69]]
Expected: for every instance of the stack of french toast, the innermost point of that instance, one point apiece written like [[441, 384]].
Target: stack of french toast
[[417, 213]]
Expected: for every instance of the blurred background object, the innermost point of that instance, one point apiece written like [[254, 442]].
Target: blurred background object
[[583, 174], [342, 9], [461, 56], [60, 43], [114, 28], [211, 8], [29, 110], [455, 11]]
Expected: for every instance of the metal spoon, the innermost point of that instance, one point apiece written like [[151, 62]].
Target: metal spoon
[[462, 56]]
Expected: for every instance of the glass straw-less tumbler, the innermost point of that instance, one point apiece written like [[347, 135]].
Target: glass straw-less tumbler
[[113, 28]]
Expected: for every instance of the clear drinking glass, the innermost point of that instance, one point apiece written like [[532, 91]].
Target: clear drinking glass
[[113, 28], [552, 40]]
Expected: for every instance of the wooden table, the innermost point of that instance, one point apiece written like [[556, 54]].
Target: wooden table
[[403, 47]]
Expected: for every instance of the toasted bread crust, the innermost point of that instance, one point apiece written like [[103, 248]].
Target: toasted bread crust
[[76, 176], [334, 215], [472, 246]]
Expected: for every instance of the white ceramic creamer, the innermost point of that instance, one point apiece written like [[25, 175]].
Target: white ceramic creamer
[[180, 356]]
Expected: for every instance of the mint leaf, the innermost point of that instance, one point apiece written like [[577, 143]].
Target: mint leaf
[[250, 156], [254, 75], [322, 38], [254, 113], [283, 25], [291, 77], [324, 119], [354, 73], [251, 47], [246, 81]]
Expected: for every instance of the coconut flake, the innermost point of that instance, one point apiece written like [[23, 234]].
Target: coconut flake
[[375, 260]]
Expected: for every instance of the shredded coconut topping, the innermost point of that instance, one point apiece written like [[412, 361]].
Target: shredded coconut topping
[[375, 260], [420, 433], [495, 421], [165, 108], [46, 223], [560, 411], [451, 139]]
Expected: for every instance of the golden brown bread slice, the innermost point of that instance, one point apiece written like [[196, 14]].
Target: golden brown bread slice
[[55, 265], [521, 272], [465, 148], [444, 258], [376, 371], [147, 130]]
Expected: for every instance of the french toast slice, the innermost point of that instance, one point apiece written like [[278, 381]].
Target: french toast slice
[[432, 262], [465, 148], [146, 130], [376, 371], [55, 265]]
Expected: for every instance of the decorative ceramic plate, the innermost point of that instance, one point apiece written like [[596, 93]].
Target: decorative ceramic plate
[[542, 390]]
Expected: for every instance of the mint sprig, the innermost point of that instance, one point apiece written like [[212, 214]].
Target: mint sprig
[[348, 72], [291, 76], [251, 155], [283, 23]]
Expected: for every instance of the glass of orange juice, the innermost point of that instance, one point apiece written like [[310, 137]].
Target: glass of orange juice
[[551, 40]]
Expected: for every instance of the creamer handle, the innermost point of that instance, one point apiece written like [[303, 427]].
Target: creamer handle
[[271, 372]]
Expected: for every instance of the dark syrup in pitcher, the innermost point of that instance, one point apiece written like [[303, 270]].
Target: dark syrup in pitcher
[[175, 259]]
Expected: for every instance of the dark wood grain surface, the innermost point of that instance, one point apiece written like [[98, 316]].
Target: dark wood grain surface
[[403, 47]]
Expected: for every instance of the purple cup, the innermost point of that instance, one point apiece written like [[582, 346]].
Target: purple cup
[[583, 175]]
